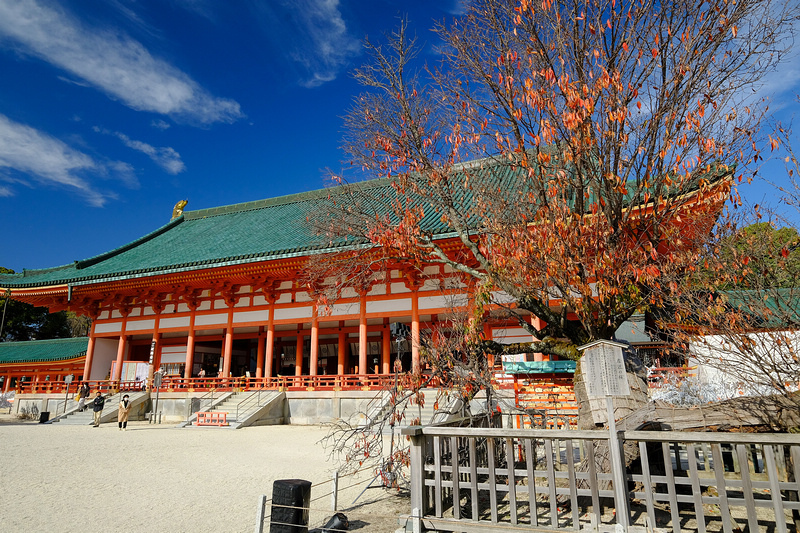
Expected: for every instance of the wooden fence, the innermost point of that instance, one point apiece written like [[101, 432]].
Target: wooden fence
[[499, 480]]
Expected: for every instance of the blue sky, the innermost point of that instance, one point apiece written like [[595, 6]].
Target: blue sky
[[112, 111]]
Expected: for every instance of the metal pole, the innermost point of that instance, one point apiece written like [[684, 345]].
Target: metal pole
[[66, 398], [394, 403], [620, 485], [335, 492]]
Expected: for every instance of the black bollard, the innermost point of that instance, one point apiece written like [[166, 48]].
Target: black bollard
[[290, 501]]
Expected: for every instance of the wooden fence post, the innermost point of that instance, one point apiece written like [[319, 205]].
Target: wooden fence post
[[262, 503], [417, 470]]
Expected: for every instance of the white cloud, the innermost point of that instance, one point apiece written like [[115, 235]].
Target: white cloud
[[315, 35], [51, 161], [112, 62], [202, 8], [165, 157], [329, 45], [459, 7], [160, 124]]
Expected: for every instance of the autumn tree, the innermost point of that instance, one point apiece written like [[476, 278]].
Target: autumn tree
[[578, 153]]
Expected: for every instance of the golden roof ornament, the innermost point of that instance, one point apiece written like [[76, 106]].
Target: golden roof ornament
[[178, 209]]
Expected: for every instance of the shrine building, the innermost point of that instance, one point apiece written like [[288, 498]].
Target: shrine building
[[214, 298]]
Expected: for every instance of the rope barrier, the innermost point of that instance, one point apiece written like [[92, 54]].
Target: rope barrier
[[264, 502]]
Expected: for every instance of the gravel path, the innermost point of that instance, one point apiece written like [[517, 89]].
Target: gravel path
[[58, 478]]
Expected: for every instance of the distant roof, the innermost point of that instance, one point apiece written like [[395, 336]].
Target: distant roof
[[251, 232], [633, 331], [43, 351], [769, 308]]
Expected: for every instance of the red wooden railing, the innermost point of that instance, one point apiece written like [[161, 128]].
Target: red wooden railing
[[61, 387], [326, 382], [656, 378]]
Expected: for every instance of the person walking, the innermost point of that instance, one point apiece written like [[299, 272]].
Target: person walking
[[97, 407], [83, 393], [122, 413]]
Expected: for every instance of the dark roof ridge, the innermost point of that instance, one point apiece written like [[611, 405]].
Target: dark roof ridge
[[294, 198], [315, 194]]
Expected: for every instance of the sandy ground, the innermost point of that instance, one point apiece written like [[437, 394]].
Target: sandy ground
[[59, 478]]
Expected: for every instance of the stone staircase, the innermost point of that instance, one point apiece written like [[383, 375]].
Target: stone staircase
[[251, 408], [76, 418], [427, 414]]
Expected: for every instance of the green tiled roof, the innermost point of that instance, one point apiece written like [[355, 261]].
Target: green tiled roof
[[772, 308], [248, 232], [43, 351], [256, 231]]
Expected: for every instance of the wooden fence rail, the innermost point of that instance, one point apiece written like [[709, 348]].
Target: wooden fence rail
[[476, 479]]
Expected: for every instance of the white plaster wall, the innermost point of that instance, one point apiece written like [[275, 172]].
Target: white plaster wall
[[502, 297], [108, 327], [349, 292], [443, 301], [510, 335], [377, 290], [138, 325], [251, 316], [207, 320], [714, 355], [399, 288], [105, 352], [175, 322], [385, 306], [284, 298], [352, 308], [293, 313]]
